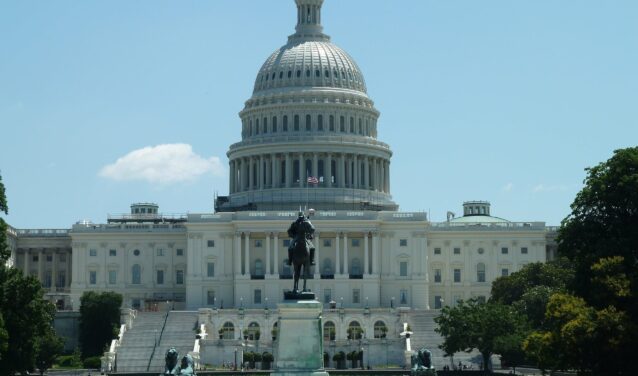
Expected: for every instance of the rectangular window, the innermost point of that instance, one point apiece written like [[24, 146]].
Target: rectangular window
[[257, 296], [49, 258], [92, 277], [327, 295], [112, 252], [437, 275], [437, 251], [159, 252], [179, 277], [457, 251], [356, 296], [160, 277], [257, 243], [403, 269], [438, 302], [112, 277], [62, 258], [403, 242], [210, 297], [355, 242], [504, 250], [47, 279], [61, 279], [505, 272], [92, 253], [457, 275], [524, 250], [210, 269], [404, 296], [327, 243], [480, 275], [211, 243], [179, 252]]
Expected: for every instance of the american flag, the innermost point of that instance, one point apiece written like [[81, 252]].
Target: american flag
[[313, 180]]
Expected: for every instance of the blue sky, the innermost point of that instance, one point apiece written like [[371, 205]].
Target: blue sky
[[506, 101]]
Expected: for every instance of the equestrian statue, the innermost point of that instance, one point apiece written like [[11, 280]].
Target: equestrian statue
[[301, 254]]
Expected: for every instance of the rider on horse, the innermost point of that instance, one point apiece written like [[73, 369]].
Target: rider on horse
[[295, 231]]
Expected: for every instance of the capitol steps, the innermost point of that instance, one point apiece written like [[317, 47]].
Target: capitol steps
[[179, 332], [138, 343], [424, 335]]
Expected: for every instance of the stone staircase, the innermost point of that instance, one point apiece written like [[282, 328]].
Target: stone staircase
[[138, 343], [179, 332], [424, 335]]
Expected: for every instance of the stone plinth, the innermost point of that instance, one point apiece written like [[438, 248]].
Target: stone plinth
[[299, 347]]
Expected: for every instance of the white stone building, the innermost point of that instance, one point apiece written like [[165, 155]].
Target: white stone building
[[309, 118]]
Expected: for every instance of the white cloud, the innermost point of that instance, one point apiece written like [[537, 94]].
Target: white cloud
[[508, 187], [164, 164], [549, 188]]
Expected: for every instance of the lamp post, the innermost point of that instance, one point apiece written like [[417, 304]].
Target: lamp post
[[392, 302], [235, 358]]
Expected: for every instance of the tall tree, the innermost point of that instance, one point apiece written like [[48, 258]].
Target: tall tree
[[99, 321], [487, 327], [49, 346], [603, 224], [4, 255]]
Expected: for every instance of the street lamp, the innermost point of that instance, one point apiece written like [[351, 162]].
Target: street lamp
[[392, 302]]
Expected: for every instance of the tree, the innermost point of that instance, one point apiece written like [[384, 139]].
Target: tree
[[99, 321], [487, 327], [529, 289], [5, 253], [49, 346], [26, 316], [603, 224]]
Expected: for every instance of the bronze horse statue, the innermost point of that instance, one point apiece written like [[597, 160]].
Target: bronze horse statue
[[301, 251]]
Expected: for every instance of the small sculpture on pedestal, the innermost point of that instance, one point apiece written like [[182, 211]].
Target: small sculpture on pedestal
[[422, 363], [301, 255]]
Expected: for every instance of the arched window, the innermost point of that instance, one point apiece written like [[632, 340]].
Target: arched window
[[285, 124], [317, 73], [331, 121], [355, 331], [259, 267], [360, 127], [480, 272], [355, 268], [274, 124], [136, 274], [320, 122], [296, 125], [253, 331], [307, 72], [380, 329], [298, 72], [289, 74], [281, 75], [265, 125], [342, 124], [329, 331], [273, 75], [308, 122], [227, 331], [327, 73], [256, 126], [351, 124]]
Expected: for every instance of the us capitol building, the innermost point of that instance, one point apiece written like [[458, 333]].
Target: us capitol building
[[309, 117]]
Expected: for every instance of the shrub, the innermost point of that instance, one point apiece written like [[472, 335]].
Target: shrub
[[92, 362]]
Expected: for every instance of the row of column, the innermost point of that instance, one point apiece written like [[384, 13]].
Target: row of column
[[42, 253], [370, 253], [338, 170]]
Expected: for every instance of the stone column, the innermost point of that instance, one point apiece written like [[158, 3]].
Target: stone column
[[274, 177], [276, 260], [315, 165], [317, 267], [346, 271], [261, 172], [301, 172], [380, 179], [237, 253], [357, 177], [342, 171], [387, 179], [337, 255], [54, 270], [242, 179], [288, 171], [366, 259], [251, 174], [268, 253], [41, 257], [375, 252], [230, 176], [247, 253], [27, 254], [327, 168], [367, 174]]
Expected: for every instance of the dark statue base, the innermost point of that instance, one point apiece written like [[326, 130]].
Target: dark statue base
[[299, 295]]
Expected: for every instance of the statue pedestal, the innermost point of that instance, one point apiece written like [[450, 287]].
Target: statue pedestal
[[299, 346]]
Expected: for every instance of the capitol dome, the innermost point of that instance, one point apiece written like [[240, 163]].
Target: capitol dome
[[309, 131]]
